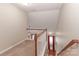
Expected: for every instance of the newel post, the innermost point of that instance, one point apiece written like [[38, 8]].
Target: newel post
[[35, 38]]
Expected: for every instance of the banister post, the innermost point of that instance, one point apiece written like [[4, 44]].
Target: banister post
[[35, 38], [48, 43], [53, 43]]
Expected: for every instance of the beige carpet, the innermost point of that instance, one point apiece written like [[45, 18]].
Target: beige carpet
[[24, 49]]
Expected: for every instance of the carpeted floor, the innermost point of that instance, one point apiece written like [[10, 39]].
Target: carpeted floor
[[24, 49]]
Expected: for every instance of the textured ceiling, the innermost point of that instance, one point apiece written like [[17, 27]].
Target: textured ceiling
[[39, 6]]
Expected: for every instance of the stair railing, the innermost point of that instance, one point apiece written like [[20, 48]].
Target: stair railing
[[36, 37], [72, 42]]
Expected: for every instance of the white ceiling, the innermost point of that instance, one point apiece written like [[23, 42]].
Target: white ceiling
[[39, 6]]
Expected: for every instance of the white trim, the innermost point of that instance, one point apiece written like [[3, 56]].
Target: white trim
[[44, 49], [12, 46], [29, 39]]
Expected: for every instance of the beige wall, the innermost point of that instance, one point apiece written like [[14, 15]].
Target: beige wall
[[13, 23], [69, 20], [43, 19], [68, 24]]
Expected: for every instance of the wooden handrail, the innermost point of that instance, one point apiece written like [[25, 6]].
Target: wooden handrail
[[68, 45], [44, 30], [38, 35], [35, 29]]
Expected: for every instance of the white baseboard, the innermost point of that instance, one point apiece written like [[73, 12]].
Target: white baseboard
[[44, 49], [12, 46], [29, 39]]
